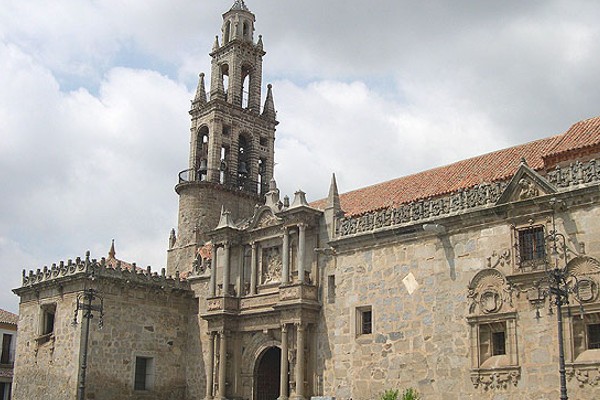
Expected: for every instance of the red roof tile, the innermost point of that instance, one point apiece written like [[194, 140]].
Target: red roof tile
[[7, 317], [492, 167]]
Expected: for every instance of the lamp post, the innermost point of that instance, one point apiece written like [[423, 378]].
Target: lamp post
[[559, 281], [85, 303]]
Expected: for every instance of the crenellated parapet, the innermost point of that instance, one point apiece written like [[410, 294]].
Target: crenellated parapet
[[103, 268]]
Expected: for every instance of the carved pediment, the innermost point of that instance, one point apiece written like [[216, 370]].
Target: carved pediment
[[264, 218], [525, 184]]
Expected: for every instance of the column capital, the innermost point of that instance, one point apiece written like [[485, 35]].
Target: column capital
[[299, 326], [284, 327], [302, 225], [253, 245]]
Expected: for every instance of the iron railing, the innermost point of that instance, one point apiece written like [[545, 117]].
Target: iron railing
[[230, 181]]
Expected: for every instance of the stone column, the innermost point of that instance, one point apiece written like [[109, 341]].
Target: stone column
[[253, 270], [283, 382], [213, 272], [211, 366], [222, 364], [226, 269], [285, 257], [301, 251], [300, 363]]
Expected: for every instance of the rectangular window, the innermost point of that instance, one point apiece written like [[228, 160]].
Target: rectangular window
[[531, 244], [144, 372], [364, 321], [498, 343], [48, 318], [593, 333], [492, 340], [331, 288], [6, 347]]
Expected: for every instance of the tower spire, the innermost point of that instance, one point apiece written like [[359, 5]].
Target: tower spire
[[200, 97], [269, 109]]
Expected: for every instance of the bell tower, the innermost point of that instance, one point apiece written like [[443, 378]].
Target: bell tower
[[232, 140]]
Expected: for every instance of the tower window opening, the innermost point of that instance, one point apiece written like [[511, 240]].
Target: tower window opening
[[262, 168], [243, 160], [225, 79], [246, 30], [227, 32], [245, 95], [201, 161], [223, 168]]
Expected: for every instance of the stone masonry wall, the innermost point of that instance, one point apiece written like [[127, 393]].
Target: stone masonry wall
[[47, 370], [199, 206], [143, 322], [421, 340]]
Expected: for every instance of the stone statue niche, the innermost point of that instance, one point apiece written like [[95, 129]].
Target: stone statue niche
[[271, 265]]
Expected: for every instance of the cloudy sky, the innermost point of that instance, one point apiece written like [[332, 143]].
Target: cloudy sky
[[94, 97]]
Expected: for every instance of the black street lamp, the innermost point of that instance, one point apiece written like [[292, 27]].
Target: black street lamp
[[86, 303], [560, 284]]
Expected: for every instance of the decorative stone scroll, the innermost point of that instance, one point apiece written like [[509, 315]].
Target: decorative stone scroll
[[477, 196], [501, 379]]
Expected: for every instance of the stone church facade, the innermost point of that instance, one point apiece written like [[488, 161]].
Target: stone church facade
[[434, 281]]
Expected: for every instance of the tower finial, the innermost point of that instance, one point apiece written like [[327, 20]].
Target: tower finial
[[216, 44], [112, 253], [333, 199], [239, 5], [200, 97], [269, 108]]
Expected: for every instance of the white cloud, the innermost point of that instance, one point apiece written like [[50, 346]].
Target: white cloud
[[95, 94]]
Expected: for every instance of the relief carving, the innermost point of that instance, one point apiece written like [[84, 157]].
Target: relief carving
[[489, 380], [585, 376], [488, 291], [272, 265], [527, 189], [498, 259]]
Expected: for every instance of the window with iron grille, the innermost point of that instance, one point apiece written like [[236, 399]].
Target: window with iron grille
[[531, 244]]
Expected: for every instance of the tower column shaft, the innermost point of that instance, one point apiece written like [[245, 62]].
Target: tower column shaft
[[222, 364], [253, 270], [226, 269], [285, 270], [301, 251], [210, 367], [283, 381], [300, 361], [213, 273]]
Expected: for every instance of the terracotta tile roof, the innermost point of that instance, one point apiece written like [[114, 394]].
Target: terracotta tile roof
[[6, 317], [583, 134], [497, 166]]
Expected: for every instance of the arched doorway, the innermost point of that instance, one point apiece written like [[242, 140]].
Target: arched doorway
[[267, 374]]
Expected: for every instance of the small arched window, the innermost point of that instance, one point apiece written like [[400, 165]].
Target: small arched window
[[201, 161], [246, 30], [225, 78], [227, 33], [245, 95]]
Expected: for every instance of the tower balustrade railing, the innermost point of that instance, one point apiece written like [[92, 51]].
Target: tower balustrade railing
[[230, 181]]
